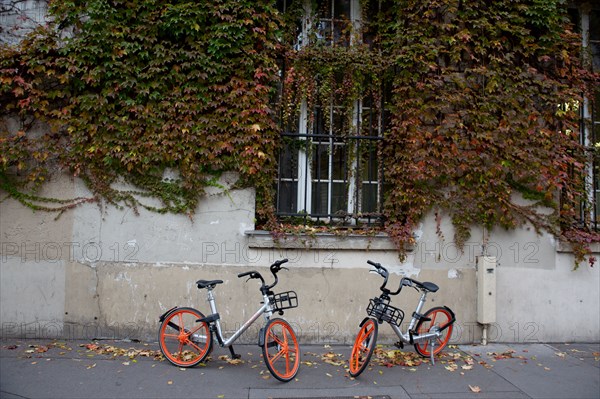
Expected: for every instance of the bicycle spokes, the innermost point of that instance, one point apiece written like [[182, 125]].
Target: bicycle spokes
[[280, 350], [183, 341], [441, 321], [363, 347]]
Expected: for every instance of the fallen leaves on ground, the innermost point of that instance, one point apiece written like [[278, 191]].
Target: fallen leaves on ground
[[395, 357], [229, 360], [335, 359], [508, 354], [114, 351], [37, 349], [474, 388]]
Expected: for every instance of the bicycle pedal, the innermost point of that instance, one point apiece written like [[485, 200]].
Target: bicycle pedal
[[399, 344]]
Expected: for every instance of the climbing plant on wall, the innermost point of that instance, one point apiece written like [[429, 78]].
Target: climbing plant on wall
[[137, 91], [166, 95], [486, 106], [485, 112]]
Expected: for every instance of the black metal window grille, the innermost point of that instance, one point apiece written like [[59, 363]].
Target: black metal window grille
[[594, 121], [330, 172], [329, 168], [587, 22]]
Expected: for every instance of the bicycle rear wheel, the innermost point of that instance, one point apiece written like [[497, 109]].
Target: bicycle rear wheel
[[363, 348], [183, 341], [439, 317], [280, 350]]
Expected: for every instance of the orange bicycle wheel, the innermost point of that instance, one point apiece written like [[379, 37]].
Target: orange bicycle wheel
[[280, 350], [439, 317], [184, 341], [363, 348]]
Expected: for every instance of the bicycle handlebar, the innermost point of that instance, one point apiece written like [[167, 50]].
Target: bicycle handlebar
[[383, 272], [275, 268]]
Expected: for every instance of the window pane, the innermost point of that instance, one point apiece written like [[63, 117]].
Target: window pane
[[595, 47], [288, 162], [288, 194], [320, 162], [341, 9], [368, 165], [595, 25], [369, 198], [319, 122], [338, 162], [339, 200], [334, 25], [575, 18], [319, 198]]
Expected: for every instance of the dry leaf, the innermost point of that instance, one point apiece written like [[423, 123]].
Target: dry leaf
[[475, 388], [451, 367]]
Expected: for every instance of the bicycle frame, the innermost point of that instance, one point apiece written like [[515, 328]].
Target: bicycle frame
[[265, 309], [380, 310], [186, 336], [412, 338]]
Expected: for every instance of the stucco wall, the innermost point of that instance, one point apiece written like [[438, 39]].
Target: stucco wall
[[109, 273]]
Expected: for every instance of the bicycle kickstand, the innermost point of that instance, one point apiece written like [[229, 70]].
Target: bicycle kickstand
[[233, 354], [432, 344]]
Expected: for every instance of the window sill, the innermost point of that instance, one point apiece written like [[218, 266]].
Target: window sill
[[565, 247], [264, 239]]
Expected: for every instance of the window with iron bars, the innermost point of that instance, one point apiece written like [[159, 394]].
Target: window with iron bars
[[329, 170], [587, 21]]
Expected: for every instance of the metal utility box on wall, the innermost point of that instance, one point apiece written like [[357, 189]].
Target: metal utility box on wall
[[486, 289]]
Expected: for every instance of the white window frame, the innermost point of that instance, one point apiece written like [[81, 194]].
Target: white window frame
[[305, 178]]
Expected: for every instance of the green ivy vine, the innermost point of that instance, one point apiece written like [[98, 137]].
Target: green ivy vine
[[164, 96], [485, 109], [160, 96]]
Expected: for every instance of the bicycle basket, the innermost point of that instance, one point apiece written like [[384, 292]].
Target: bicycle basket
[[383, 311], [284, 300]]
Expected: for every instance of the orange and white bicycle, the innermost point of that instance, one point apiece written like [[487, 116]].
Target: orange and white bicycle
[[428, 332], [186, 336]]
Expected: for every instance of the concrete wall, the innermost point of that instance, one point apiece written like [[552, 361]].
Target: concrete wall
[[109, 273]]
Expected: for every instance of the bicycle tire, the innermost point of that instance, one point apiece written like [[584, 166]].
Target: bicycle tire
[[280, 349], [364, 345], [439, 317], [183, 341]]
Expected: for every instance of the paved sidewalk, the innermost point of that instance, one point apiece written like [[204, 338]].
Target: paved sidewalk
[[118, 369]]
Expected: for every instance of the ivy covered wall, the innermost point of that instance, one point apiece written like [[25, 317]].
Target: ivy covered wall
[[166, 95]]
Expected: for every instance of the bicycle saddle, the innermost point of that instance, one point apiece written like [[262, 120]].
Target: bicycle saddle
[[431, 287], [208, 283]]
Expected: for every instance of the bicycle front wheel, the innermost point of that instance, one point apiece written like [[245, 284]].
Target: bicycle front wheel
[[183, 341], [363, 348], [280, 350], [439, 317]]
